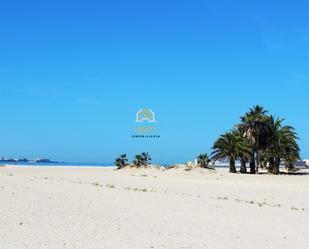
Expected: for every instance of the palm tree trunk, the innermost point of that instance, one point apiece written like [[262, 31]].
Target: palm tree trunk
[[276, 166], [257, 160], [243, 168], [252, 164], [271, 165], [290, 166], [232, 166]]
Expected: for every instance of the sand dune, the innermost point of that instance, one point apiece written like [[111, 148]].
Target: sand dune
[[102, 208]]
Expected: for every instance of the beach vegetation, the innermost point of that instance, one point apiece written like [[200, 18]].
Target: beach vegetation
[[203, 160], [260, 140], [121, 161], [141, 160], [231, 146]]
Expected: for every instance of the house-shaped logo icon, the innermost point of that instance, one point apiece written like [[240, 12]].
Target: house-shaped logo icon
[[145, 114]]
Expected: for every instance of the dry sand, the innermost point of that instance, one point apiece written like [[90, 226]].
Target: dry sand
[[100, 208]]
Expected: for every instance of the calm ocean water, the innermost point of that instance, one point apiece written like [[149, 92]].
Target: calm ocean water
[[79, 164], [59, 164]]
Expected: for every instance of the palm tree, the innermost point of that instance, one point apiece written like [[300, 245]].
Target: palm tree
[[281, 144], [146, 158], [121, 161], [231, 146], [291, 154], [138, 162], [241, 129], [253, 123], [141, 159], [203, 160]]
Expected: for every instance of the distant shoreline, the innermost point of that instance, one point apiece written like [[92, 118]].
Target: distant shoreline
[[56, 164], [97, 165], [80, 164]]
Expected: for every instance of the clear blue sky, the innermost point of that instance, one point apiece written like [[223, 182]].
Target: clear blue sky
[[74, 73]]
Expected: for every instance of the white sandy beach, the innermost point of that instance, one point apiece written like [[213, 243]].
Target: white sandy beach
[[100, 208]]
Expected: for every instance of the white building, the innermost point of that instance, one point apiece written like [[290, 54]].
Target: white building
[[302, 163]]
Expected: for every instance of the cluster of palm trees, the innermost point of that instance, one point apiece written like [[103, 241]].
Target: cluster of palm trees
[[139, 161], [260, 140]]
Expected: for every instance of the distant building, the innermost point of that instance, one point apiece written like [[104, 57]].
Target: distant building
[[302, 163]]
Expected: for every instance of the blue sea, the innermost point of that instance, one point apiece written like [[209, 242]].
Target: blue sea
[[58, 164], [79, 164]]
